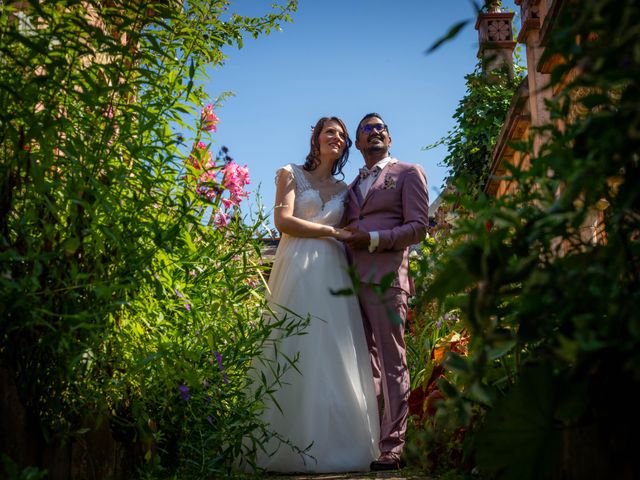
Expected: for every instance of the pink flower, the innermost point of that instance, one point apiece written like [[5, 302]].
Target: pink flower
[[235, 176], [243, 174], [209, 119], [212, 180], [201, 158], [227, 203], [221, 219], [109, 112], [234, 179]]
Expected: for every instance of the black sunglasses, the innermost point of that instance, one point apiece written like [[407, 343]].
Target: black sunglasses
[[378, 127]]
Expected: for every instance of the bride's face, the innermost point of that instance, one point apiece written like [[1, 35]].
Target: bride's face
[[332, 141]]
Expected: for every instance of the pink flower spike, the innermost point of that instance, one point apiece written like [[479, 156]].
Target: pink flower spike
[[209, 119]]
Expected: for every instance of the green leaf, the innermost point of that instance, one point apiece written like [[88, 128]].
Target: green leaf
[[71, 245], [394, 317], [447, 388], [342, 292], [501, 349], [451, 34], [518, 439], [456, 363], [453, 277]]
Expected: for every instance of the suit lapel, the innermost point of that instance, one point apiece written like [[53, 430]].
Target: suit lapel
[[354, 189], [379, 181]]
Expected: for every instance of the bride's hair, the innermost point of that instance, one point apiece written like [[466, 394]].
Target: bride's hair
[[313, 158]]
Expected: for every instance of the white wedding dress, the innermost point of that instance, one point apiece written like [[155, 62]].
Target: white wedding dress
[[331, 403]]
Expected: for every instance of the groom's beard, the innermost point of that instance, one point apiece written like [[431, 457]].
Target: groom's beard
[[375, 147]]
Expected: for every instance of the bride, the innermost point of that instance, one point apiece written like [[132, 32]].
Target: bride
[[329, 403]]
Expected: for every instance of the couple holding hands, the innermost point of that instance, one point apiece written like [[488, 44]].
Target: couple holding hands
[[347, 397]]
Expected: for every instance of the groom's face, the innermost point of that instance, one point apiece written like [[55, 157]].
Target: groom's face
[[373, 136]]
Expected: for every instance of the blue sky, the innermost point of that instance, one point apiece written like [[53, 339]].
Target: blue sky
[[344, 58]]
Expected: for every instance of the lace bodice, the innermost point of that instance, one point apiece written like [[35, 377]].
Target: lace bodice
[[309, 204]]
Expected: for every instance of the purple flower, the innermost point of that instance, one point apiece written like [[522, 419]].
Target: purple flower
[[451, 317], [180, 295], [221, 367], [184, 392], [187, 307], [210, 419]]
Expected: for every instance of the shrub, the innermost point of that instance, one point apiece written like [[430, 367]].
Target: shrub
[[121, 302], [552, 311]]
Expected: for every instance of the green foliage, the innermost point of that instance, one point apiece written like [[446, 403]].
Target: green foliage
[[479, 118], [520, 427], [430, 321], [547, 278], [114, 291], [435, 440], [11, 471]]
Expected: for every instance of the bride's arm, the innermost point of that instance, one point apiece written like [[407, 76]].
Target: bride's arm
[[283, 213]]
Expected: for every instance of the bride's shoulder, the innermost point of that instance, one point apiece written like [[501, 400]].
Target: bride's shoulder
[[341, 186], [288, 172], [290, 168]]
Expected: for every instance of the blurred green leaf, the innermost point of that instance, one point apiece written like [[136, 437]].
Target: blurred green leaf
[[451, 34]]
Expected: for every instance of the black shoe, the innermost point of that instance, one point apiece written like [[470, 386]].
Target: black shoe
[[385, 464]]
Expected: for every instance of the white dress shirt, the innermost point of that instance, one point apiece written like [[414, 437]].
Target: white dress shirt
[[366, 183]]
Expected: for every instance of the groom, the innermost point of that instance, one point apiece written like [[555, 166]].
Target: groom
[[387, 211]]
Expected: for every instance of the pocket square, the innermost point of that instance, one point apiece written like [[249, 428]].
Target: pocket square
[[389, 182]]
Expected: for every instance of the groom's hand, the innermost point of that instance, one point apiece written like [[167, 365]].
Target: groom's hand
[[359, 239], [341, 234]]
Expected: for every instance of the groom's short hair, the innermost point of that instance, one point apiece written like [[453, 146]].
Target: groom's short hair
[[367, 117]]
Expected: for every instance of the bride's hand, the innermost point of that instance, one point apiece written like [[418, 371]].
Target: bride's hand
[[342, 234]]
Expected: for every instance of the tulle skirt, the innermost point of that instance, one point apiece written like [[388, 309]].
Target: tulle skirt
[[330, 403]]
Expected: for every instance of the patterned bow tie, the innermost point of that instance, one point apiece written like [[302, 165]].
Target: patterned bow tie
[[365, 172]]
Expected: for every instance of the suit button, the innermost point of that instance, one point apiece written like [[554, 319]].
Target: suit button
[[360, 217]]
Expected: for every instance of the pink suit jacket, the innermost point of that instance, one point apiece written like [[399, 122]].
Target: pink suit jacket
[[396, 206]]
